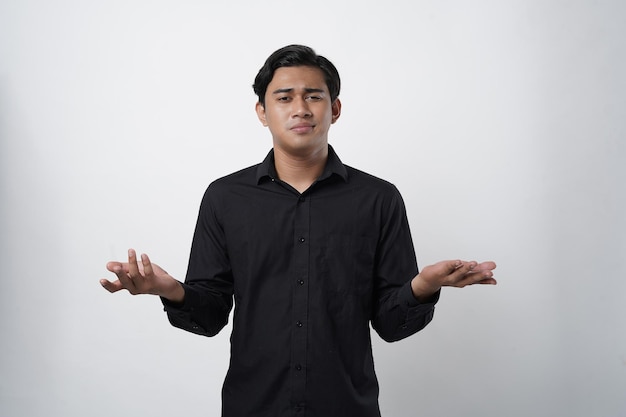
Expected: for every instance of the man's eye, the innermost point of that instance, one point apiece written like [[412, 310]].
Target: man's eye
[[314, 98], [284, 99]]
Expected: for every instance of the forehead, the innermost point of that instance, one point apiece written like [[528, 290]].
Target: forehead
[[297, 78]]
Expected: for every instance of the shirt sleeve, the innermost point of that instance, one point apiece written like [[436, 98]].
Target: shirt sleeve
[[397, 313], [209, 282]]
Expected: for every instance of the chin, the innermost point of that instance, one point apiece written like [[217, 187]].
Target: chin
[[302, 148]]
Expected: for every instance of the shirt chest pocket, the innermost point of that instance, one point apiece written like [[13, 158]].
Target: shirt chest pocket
[[346, 264]]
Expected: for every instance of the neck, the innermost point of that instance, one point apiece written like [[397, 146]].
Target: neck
[[300, 171]]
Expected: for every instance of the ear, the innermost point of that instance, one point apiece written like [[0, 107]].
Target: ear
[[260, 113], [335, 110]]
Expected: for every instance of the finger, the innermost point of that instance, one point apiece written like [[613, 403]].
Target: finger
[[472, 281], [147, 265], [111, 286], [448, 267], [460, 273], [111, 266], [133, 268], [123, 277], [477, 277], [486, 266]]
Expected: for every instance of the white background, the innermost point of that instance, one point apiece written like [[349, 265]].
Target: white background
[[501, 122]]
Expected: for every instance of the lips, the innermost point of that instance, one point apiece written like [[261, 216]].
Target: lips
[[302, 128]]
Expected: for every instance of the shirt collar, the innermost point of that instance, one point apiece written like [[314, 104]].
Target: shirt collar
[[334, 166]]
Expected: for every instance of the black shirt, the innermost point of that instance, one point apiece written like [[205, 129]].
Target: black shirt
[[309, 272]]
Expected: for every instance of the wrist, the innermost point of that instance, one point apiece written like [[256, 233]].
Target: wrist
[[173, 291], [422, 290]]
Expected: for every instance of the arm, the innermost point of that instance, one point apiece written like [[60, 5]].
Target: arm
[[397, 312], [208, 285], [409, 308], [203, 302], [203, 311], [405, 299]]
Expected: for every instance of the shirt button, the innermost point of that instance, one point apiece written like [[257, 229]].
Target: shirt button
[[302, 240], [299, 323], [301, 199], [301, 281], [298, 367]]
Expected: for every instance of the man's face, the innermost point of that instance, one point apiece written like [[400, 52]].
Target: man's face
[[298, 110]]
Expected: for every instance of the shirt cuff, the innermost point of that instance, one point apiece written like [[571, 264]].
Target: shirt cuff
[[187, 305], [407, 298]]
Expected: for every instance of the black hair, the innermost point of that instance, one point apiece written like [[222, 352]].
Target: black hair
[[295, 56]]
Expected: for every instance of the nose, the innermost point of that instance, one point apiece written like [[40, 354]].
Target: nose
[[301, 108]]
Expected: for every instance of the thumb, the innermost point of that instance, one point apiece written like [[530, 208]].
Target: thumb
[[111, 286]]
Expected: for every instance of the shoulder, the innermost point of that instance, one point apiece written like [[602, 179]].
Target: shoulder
[[380, 193], [245, 176], [359, 178], [222, 189]]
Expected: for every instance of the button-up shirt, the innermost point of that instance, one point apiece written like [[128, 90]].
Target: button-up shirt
[[309, 273]]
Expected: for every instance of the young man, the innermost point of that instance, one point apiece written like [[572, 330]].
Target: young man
[[311, 250]]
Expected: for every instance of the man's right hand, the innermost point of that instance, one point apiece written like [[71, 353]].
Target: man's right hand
[[143, 278]]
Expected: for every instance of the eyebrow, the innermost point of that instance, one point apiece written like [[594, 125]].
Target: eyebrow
[[306, 90]]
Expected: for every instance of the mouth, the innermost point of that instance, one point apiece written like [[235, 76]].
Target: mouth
[[302, 128]]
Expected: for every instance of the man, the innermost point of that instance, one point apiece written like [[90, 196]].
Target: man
[[311, 250]]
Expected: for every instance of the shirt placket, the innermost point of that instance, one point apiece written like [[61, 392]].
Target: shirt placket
[[300, 300]]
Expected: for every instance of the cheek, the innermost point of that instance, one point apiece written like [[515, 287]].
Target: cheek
[[278, 118], [328, 117]]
